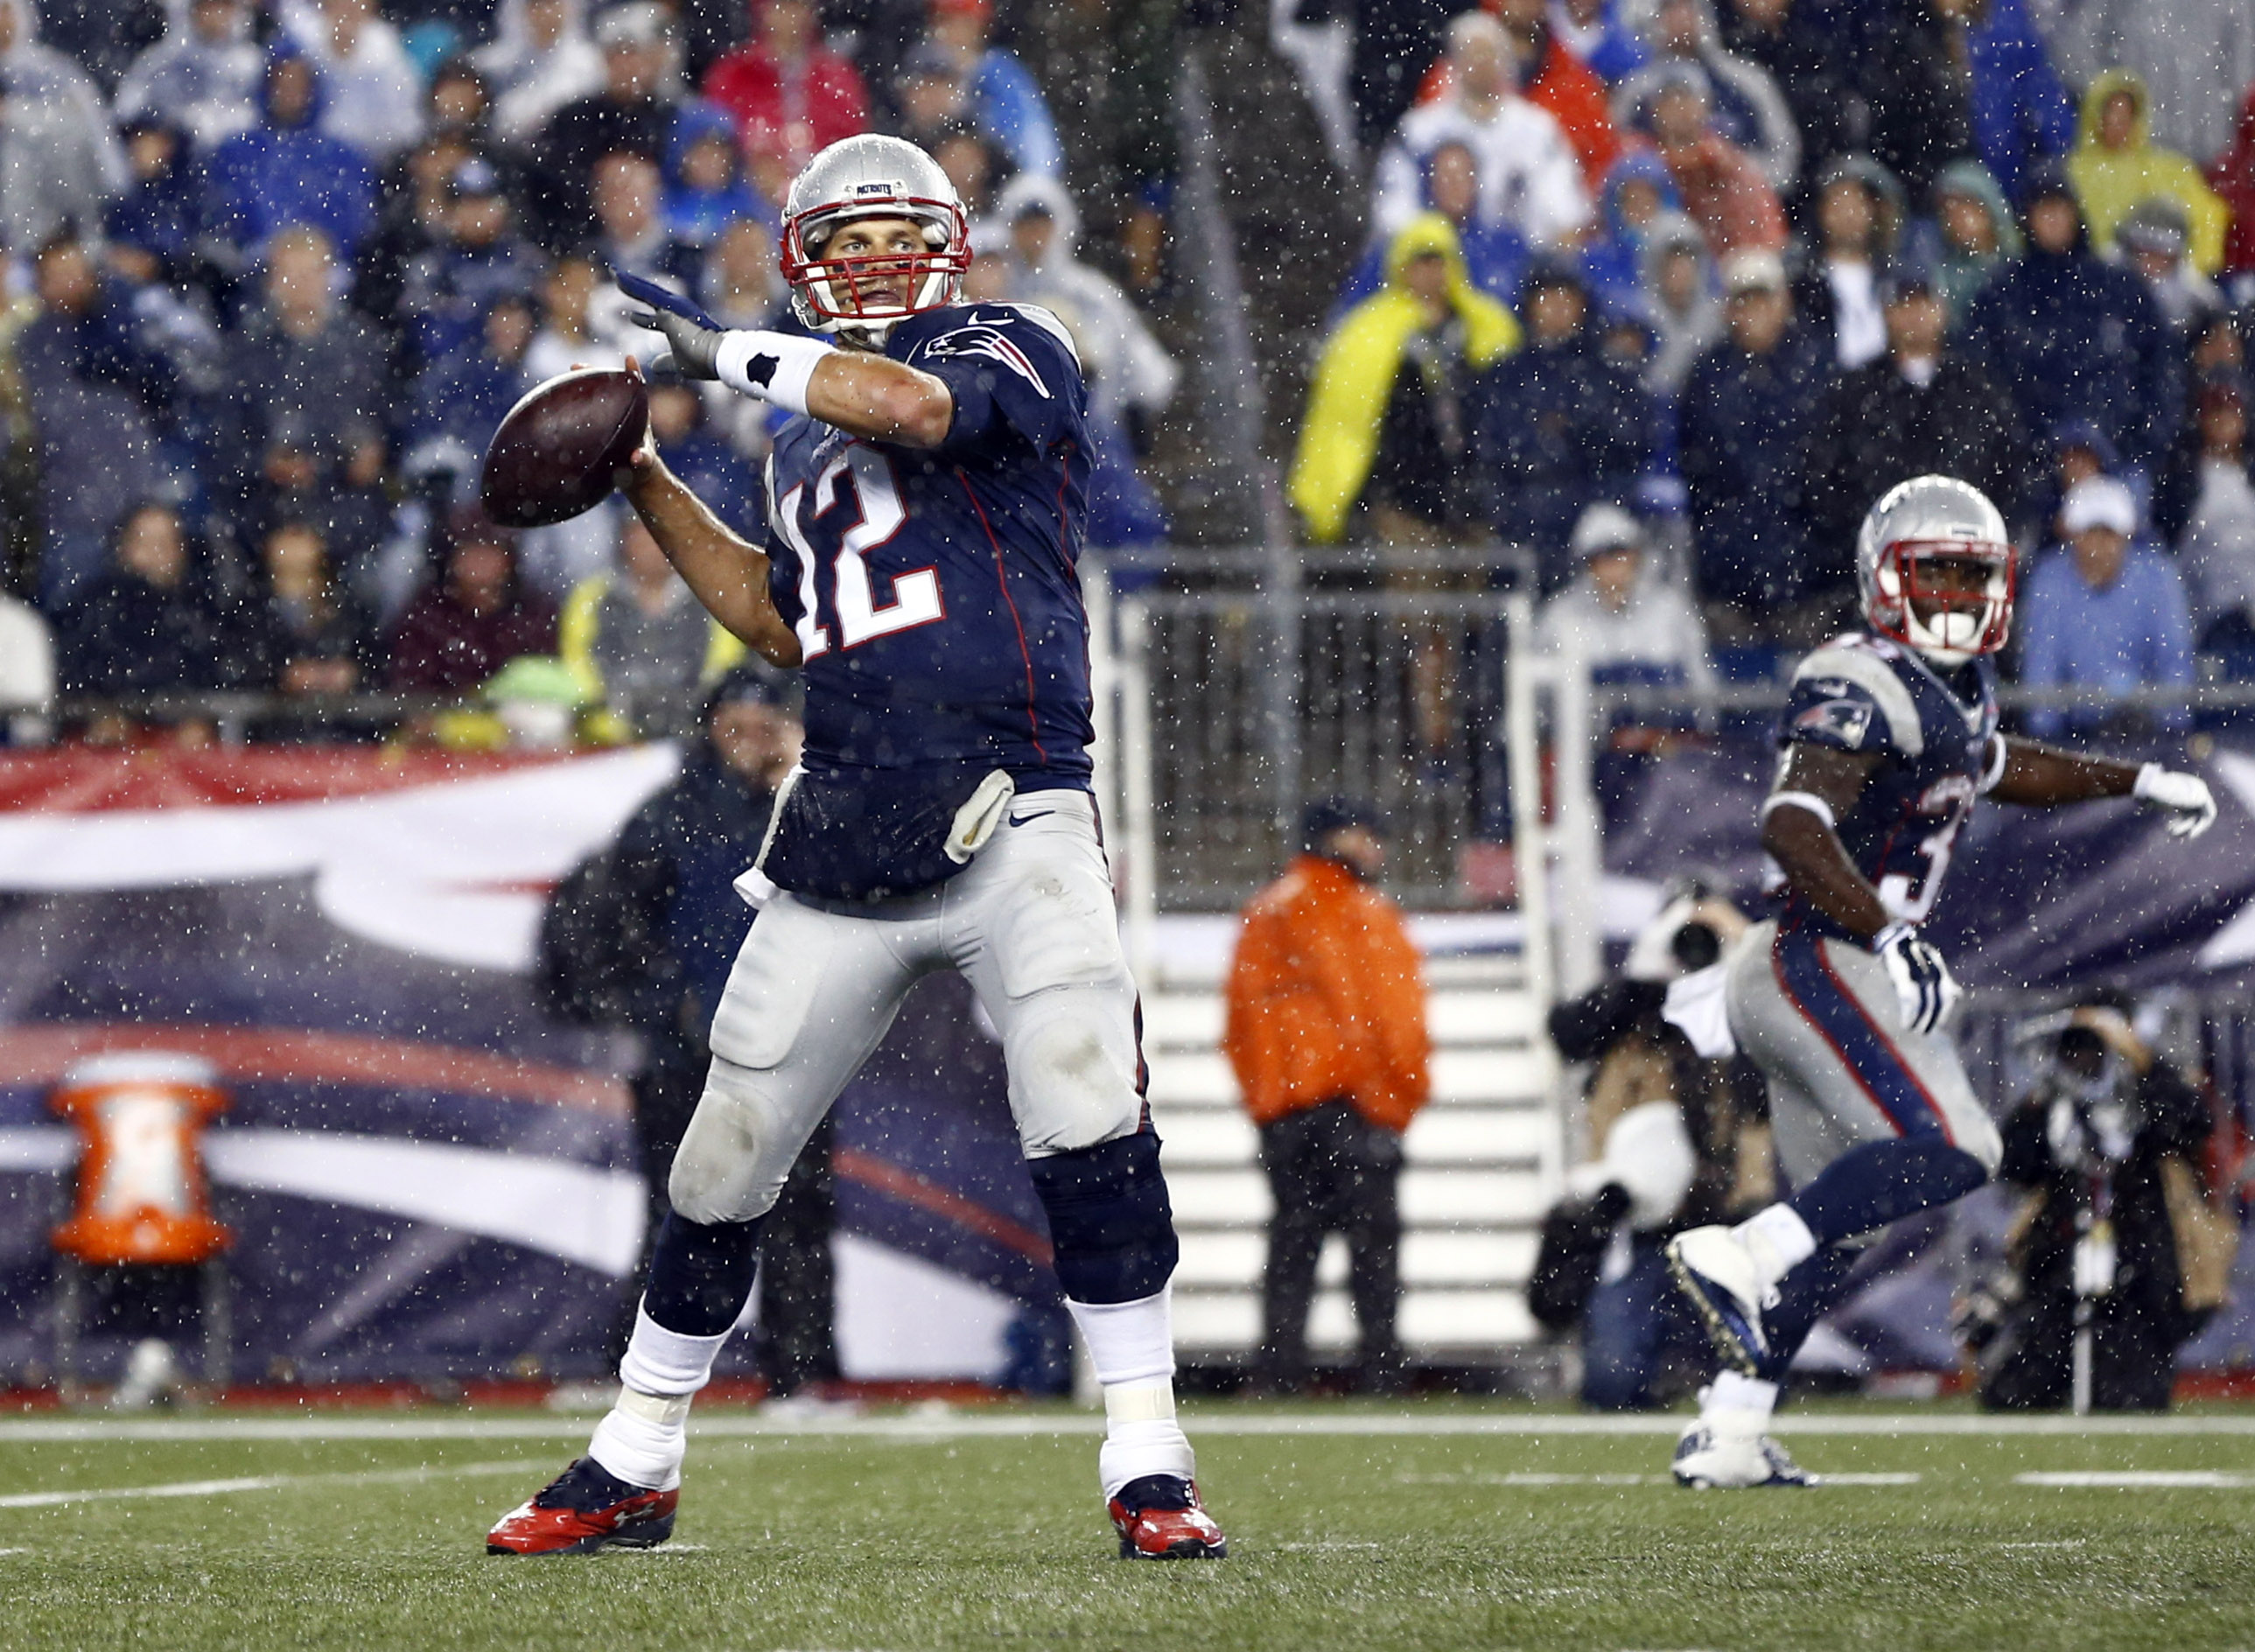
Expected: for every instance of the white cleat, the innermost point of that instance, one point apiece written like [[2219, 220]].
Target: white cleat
[[1714, 1268], [1730, 1452]]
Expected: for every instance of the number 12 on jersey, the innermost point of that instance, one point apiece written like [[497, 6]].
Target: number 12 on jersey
[[877, 515]]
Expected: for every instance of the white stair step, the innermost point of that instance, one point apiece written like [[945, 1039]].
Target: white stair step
[[1234, 1260], [1194, 1021], [1431, 1321], [1457, 1075], [1482, 1198], [1224, 1138]]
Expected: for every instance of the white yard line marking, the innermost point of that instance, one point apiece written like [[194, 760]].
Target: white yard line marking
[[925, 1426], [2144, 1480], [1478, 1479], [258, 1483]]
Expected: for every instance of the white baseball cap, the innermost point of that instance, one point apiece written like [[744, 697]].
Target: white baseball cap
[[2100, 501]]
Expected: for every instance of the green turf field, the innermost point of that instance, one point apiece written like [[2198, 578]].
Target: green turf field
[[1422, 1525]]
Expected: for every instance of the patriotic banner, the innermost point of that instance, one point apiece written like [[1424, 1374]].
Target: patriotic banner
[[427, 1179]]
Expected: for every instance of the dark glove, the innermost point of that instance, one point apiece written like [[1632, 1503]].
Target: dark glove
[[693, 338]]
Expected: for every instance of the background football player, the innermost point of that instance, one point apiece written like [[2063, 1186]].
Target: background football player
[[1887, 739], [924, 511]]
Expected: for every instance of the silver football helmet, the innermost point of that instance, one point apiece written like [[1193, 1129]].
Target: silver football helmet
[[1915, 529], [871, 176]]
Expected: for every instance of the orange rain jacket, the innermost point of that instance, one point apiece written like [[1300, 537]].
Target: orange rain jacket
[[1324, 999]]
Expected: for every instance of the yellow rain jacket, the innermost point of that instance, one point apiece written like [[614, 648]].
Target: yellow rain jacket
[[1354, 376], [2108, 182]]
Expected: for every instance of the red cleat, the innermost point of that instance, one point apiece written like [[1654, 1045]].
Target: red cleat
[[1159, 1517], [583, 1509]]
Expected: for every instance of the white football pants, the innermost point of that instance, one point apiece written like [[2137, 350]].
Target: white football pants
[[1030, 922]]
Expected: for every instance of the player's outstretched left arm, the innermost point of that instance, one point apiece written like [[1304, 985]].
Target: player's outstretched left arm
[[2045, 775]]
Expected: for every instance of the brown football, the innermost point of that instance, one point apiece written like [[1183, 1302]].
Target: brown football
[[563, 448]]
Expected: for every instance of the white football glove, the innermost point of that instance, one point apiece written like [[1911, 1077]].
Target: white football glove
[[1924, 987], [2184, 798]]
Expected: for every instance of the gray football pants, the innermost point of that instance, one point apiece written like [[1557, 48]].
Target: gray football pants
[[1820, 1019], [1030, 922]]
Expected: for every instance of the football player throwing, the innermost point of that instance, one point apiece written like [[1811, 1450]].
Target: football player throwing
[[926, 506]]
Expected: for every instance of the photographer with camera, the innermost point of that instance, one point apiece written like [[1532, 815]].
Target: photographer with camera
[[1680, 1137], [2118, 1255]]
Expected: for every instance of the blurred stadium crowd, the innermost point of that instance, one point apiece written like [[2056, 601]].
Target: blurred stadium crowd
[[1662, 292], [277, 268], [1668, 292]]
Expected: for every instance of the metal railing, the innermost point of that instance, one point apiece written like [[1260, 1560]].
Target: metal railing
[[1257, 701]]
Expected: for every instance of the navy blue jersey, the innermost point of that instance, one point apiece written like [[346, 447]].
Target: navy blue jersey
[[1938, 748], [934, 591]]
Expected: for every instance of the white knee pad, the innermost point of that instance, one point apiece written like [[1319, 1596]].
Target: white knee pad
[[737, 1150], [1072, 1056]]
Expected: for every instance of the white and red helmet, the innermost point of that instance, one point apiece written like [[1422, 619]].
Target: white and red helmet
[[871, 176], [1920, 522]]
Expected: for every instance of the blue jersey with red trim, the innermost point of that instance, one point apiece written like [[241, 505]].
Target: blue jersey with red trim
[[934, 591], [1938, 748]]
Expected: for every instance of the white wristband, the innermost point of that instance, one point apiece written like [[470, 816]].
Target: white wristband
[[774, 366], [2147, 774]]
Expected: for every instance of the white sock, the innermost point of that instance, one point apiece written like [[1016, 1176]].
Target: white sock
[[645, 1435], [642, 1438], [670, 1362], [1745, 1399], [1779, 1239], [1132, 1345]]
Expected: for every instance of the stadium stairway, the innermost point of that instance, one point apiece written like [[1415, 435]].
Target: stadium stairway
[[1482, 1163]]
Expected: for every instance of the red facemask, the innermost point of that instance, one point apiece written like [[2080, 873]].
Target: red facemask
[[836, 289]]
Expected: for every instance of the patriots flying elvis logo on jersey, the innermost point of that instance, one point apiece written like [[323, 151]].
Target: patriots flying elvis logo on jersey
[[1845, 720]]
